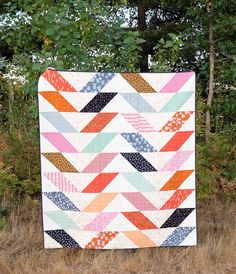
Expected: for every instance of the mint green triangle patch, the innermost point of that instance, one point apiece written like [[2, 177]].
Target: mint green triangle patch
[[61, 219], [99, 142], [139, 182], [176, 102]]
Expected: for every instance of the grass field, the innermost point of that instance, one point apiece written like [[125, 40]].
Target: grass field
[[21, 249]]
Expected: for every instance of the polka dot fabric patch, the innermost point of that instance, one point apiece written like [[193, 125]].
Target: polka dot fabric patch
[[117, 159], [177, 121]]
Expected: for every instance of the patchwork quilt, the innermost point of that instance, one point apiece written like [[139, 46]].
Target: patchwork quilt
[[117, 159]]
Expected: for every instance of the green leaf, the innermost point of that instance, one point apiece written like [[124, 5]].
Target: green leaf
[[36, 67], [140, 41], [64, 32], [50, 31], [129, 40], [168, 44], [162, 41]]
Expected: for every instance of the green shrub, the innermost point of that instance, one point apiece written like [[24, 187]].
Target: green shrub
[[22, 154], [13, 189], [19, 147], [9, 186], [216, 167]]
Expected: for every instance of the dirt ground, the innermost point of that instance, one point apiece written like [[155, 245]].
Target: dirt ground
[[21, 249]]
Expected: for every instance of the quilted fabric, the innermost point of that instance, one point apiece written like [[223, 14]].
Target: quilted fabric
[[117, 159]]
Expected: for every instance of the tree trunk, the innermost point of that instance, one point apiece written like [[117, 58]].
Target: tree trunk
[[143, 64], [211, 79]]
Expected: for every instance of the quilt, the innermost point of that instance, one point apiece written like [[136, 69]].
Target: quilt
[[117, 159]]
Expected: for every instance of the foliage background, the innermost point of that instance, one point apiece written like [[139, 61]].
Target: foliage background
[[99, 35]]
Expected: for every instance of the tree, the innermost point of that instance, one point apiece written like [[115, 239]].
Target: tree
[[212, 68], [81, 35], [155, 20], [212, 40]]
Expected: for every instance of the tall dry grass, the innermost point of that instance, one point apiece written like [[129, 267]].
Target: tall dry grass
[[21, 249]]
